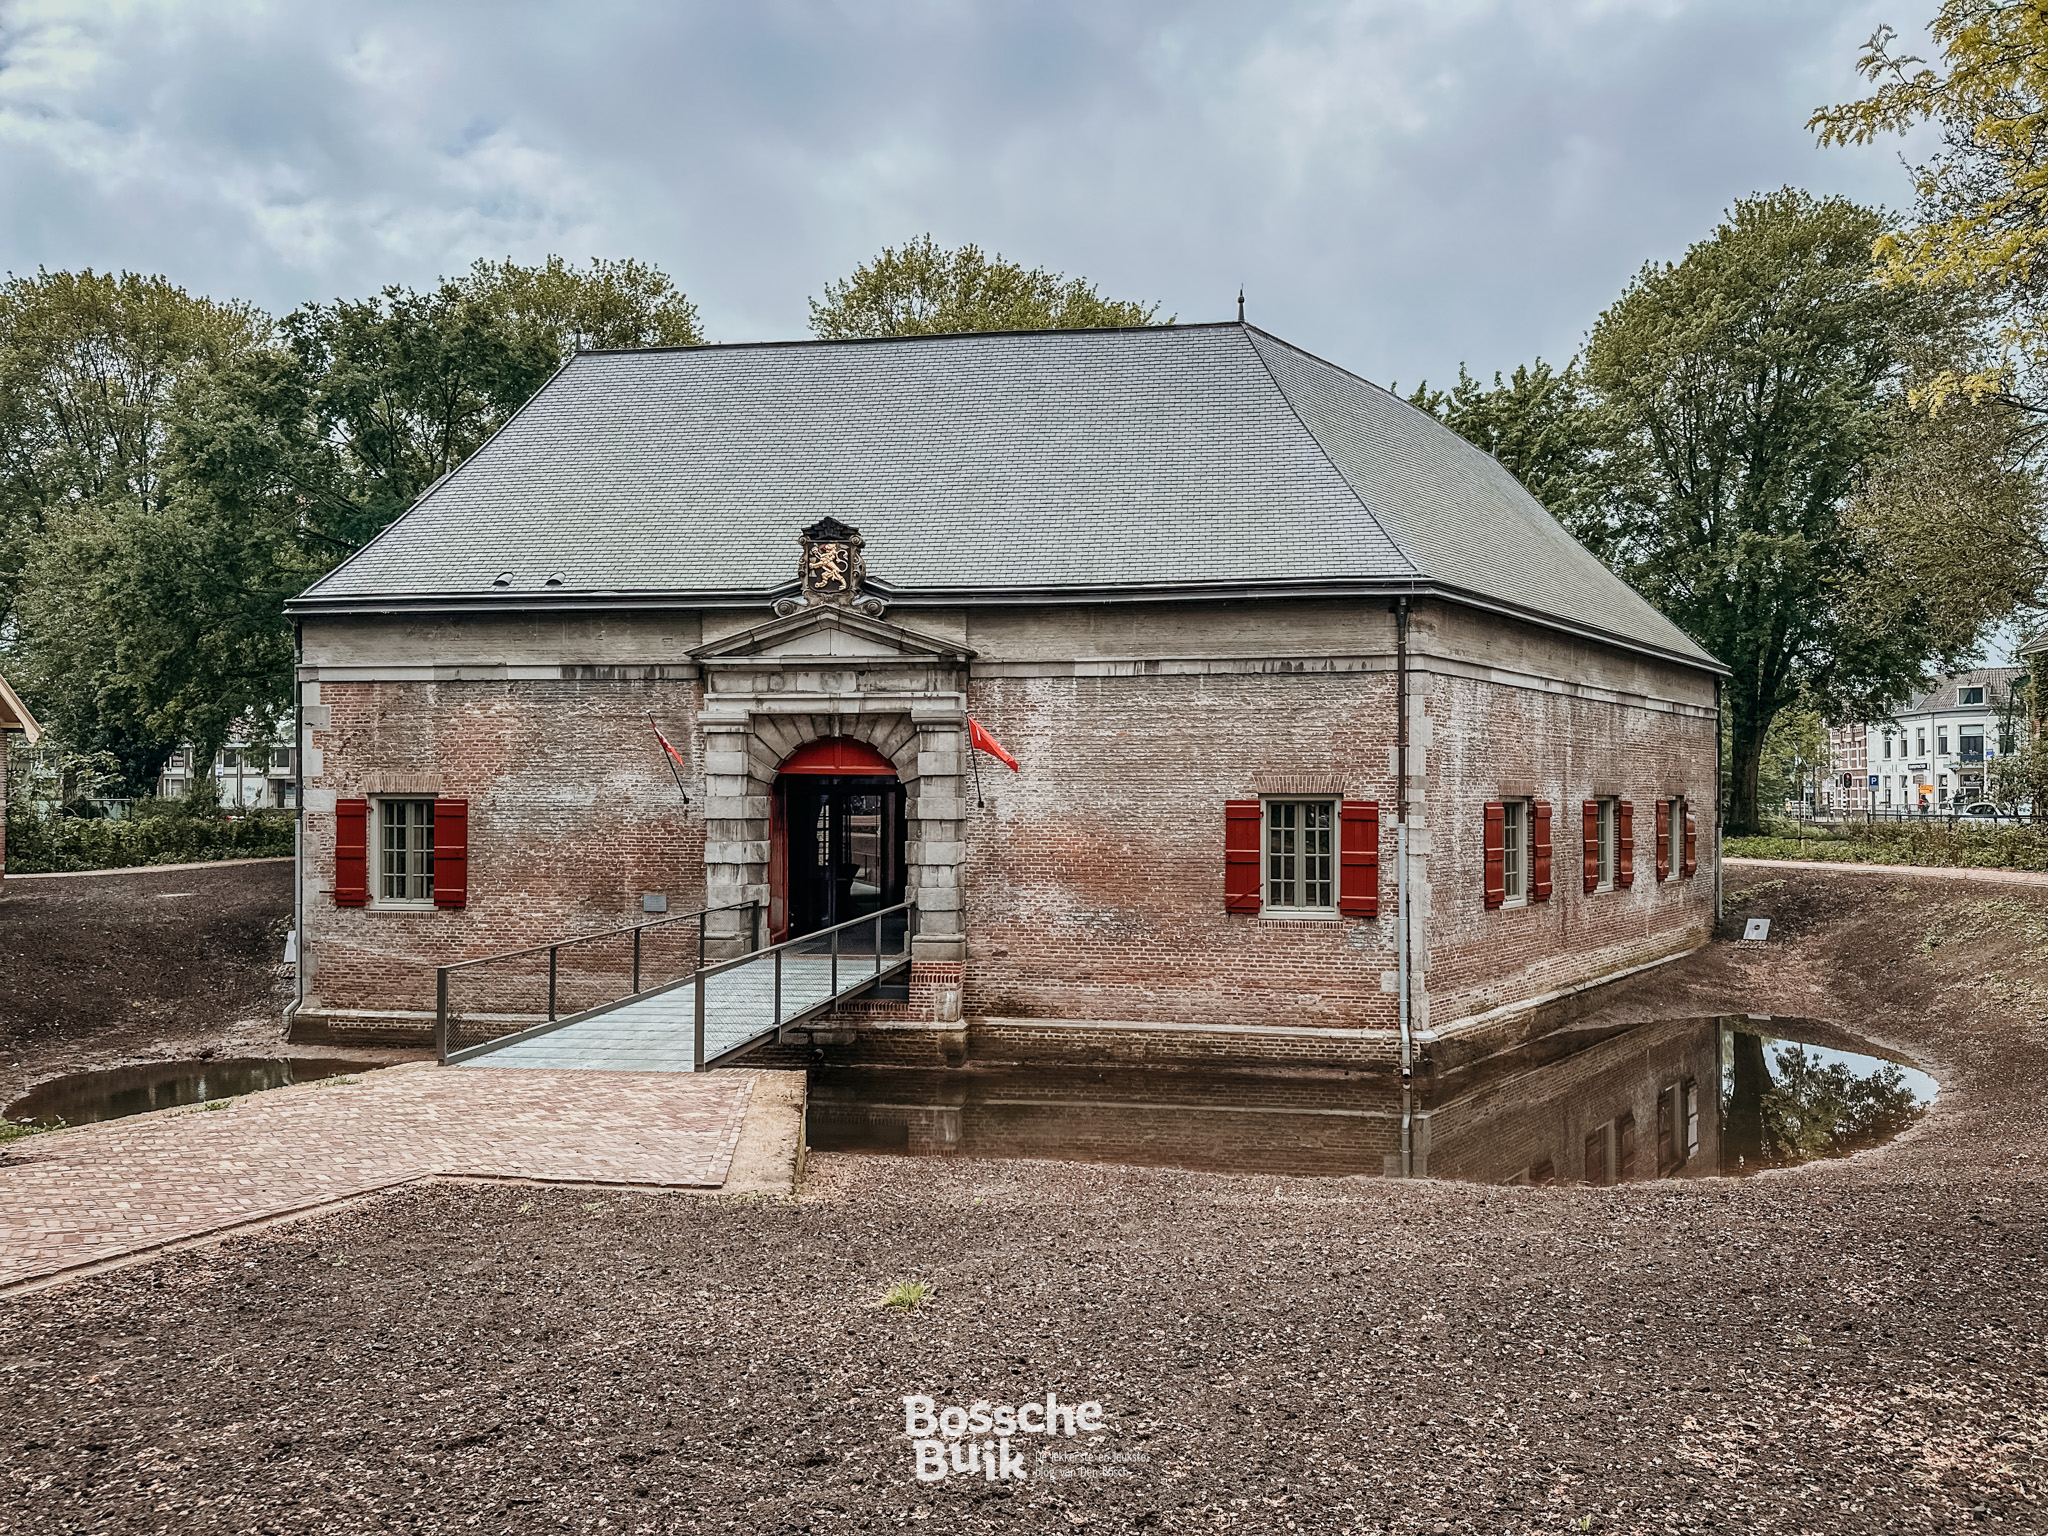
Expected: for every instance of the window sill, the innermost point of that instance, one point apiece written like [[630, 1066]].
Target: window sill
[[401, 906], [1298, 915]]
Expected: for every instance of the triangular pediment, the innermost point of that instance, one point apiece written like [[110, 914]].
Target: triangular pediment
[[823, 633]]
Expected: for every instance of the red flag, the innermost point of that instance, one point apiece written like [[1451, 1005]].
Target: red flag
[[668, 746], [675, 758], [981, 741]]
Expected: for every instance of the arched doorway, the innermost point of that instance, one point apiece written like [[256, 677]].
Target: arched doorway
[[835, 848]]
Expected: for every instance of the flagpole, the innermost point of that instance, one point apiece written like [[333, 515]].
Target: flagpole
[[668, 756], [974, 756]]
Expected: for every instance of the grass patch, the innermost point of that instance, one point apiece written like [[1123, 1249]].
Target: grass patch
[[15, 1130], [1933, 845], [42, 845], [905, 1296]]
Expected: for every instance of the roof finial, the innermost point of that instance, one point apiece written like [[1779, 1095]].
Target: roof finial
[[1240, 303]]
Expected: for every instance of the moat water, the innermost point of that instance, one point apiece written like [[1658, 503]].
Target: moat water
[[1678, 1099], [84, 1098]]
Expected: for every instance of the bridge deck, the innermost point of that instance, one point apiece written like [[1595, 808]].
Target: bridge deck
[[656, 1032]]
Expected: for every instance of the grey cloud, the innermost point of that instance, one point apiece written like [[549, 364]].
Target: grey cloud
[[1401, 187]]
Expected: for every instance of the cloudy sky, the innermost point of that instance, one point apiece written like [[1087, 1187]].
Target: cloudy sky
[[1399, 184]]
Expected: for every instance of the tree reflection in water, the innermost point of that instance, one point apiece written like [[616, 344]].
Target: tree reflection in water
[[1812, 1107]]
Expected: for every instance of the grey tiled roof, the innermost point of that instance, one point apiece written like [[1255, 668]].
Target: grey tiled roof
[[1209, 456], [1942, 694]]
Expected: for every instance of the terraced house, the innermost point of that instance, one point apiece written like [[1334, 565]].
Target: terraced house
[[1333, 746]]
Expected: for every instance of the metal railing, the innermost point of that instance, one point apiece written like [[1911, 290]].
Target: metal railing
[[447, 1022], [808, 946], [1944, 816]]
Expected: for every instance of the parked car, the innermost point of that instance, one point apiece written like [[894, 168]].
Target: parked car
[[1984, 810]]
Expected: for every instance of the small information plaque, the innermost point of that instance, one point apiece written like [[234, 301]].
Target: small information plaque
[[1756, 930]]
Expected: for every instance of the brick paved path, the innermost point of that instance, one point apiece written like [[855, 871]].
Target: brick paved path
[[77, 1198]]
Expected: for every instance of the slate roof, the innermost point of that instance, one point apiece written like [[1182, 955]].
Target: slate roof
[[1204, 459], [1942, 694]]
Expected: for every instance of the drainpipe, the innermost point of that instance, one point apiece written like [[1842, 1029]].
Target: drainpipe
[[1401, 847], [1717, 804], [298, 828]]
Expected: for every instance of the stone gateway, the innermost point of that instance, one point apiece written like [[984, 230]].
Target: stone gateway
[[1334, 747]]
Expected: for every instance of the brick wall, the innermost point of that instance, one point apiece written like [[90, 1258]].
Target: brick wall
[[1508, 731], [1092, 884], [573, 816], [1094, 879]]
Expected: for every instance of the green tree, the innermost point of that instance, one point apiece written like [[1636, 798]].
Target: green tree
[[90, 368], [608, 305], [157, 617], [922, 290], [1750, 394], [1794, 760], [1982, 200], [1544, 428]]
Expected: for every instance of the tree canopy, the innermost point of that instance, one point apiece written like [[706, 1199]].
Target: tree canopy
[[1738, 443], [1758, 457], [1981, 220], [922, 290], [177, 470], [1541, 425]]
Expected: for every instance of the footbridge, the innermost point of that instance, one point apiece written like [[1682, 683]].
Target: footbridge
[[602, 1013]]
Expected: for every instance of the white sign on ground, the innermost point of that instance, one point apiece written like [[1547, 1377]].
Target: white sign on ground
[[1756, 930]]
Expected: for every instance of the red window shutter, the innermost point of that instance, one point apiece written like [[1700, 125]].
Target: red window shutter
[[1692, 844], [1624, 843], [1496, 854], [1663, 839], [1539, 850], [1241, 856], [1589, 826], [451, 853], [351, 853], [1358, 890]]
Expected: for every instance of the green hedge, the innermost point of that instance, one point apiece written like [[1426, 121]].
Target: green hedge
[[1932, 843], [44, 845]]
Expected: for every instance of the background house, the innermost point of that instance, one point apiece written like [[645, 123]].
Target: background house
[[1935, 751], [248, 776]]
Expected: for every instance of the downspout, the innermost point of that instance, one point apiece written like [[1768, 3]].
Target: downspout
[[1717, 804], [298, 830], [1401, 847]]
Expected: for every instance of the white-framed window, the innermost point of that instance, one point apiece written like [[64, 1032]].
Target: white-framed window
[[1609, 825], [1970, 695], [1674, 838], [404, 844], [1301, 857], [1514, 852]]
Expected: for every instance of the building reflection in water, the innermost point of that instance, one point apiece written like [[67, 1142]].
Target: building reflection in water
[[1678, 1099]]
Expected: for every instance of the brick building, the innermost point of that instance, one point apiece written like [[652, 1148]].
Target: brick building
[[14, 719], [1221, 599]]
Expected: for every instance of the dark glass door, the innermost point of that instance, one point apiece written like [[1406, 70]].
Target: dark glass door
[[843, 856]]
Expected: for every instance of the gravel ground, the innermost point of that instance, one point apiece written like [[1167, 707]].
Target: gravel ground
[[1840, 1348]]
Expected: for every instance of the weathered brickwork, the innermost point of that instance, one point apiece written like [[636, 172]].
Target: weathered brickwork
[[1089, 887], [1510, 712], [573, 817], [1094, 880]]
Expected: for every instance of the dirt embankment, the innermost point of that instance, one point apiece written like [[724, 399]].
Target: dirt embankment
[[1845, 1347], [107, 970]]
